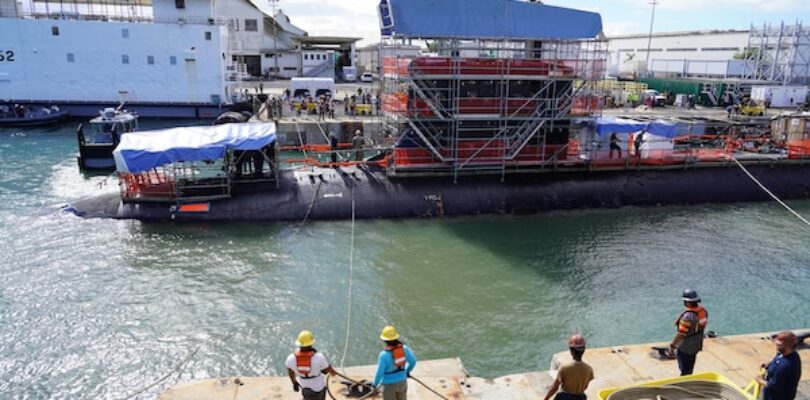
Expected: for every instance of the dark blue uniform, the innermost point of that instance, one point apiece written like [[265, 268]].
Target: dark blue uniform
[[784, 373]]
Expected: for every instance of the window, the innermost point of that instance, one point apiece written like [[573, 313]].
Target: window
[[125, 59], [125, 33], [306, 56], [291, 68], [720, 49], [55, 30], [70, 57], [233, 24], [172, 60], [150, 60], [180, 3], [251, 25], [683, 49], [207, 35]]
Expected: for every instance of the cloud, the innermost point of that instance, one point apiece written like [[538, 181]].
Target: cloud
[[356, 18], [701, 6]]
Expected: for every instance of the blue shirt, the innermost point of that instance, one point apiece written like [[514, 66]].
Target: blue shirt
[[784, 373], [386, 370]]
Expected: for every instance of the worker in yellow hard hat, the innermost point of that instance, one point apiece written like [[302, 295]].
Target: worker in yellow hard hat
[[394, 366], [306, 368], [575, 376]]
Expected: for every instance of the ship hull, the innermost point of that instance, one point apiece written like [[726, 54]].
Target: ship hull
[[334, 194]]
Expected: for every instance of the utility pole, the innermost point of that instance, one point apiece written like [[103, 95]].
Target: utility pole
[[649, 38], [274, 3]]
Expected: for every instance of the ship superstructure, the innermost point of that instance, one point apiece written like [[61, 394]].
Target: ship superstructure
[[502, 90]]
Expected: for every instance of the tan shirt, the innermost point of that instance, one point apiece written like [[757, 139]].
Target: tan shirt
[[575, 377]]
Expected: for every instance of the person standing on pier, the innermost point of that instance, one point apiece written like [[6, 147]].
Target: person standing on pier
[[689, 339], [575, 376], [333, 147], [357, 144], [784, 371], [614, 145], [394, 366], [309, 366]]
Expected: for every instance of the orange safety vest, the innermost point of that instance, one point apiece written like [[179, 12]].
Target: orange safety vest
[[303, 362], [398, 352], [703, 318]]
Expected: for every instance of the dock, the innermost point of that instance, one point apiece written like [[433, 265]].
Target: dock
[[735, 357]]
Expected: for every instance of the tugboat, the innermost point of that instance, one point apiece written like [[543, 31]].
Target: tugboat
[[19, 115], [96, 147]]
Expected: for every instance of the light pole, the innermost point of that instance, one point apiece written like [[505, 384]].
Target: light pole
[[649, 38], [274, 3]]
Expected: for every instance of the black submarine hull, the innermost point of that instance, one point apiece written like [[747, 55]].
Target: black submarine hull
[[332, 194]]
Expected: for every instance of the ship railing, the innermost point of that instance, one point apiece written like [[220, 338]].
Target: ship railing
[[176, 182], [194, 20]]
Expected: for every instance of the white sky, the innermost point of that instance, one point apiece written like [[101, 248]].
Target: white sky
[[358, 18]]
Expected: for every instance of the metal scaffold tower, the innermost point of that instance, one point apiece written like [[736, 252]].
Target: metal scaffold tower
[[779, 53], [473, 105]]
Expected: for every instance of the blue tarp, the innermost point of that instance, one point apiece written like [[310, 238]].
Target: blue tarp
[[142, 151], [606, 126], [486, 19]]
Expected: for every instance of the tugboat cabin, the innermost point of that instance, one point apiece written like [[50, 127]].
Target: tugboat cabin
[[96, 145], [194, 165]]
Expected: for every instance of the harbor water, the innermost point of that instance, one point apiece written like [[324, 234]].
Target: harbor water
[[94, 309]]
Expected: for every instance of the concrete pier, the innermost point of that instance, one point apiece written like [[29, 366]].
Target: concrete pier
[[735, 357]]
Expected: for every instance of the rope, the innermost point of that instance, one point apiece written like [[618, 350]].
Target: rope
[[351, 276], [428, 387], [309, 209], [178, 369], [799, 216]]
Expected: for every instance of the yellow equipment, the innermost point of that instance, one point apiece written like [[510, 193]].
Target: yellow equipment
[[362, 109], [752, 110], [389, 333], [305, 339], [710, 384]]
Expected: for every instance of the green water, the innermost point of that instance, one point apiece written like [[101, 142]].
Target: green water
[[100, 309]]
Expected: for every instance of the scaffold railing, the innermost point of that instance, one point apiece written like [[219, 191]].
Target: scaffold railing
[[474, 104]]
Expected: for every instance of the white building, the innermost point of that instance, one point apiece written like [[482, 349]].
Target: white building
[[770, 53], [674, 51]]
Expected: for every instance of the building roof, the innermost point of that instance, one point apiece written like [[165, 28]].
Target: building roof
[[707, 32], [485, 19], [326, 40]]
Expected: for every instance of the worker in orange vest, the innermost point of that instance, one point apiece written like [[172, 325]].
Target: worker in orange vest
[[394, 366], [308, 366], [690, 325]]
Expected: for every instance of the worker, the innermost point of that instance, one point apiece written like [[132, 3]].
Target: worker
[[614, 145], [575, 376], [690, 324], [310, 366], [357, 144], [784, 371], [333, 146], [394, 366], [639, 141]]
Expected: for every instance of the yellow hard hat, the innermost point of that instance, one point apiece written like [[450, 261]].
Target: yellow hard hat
[[305, 339], [389, 333]]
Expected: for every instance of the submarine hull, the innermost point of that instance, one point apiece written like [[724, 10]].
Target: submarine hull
[[332, 194]]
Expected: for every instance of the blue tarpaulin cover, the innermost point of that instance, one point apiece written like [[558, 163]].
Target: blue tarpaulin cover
[[486, 19], [141, 151], [606, 126]]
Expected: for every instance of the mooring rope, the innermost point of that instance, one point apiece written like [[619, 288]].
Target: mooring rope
[[179, 367], [792, 211], [309, 209], [351, 277]]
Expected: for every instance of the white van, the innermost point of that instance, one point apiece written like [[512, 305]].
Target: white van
[[315, 87]]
